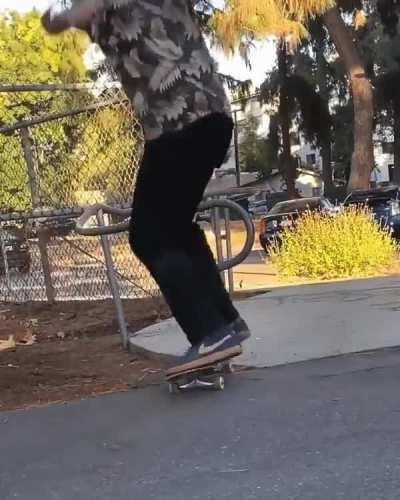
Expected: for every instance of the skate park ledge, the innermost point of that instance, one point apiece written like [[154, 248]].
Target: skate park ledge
[[300, 323]]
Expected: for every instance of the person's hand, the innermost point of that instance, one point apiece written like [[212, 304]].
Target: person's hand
[[78, 16], [55, 23]]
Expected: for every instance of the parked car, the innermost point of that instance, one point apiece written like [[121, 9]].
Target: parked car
[[284, 214], [14, 250], [61, 226], [258, 208], [55, 226], [384, 204], [261, 207]]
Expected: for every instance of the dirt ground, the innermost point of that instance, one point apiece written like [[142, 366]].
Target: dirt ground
[[71, 351]]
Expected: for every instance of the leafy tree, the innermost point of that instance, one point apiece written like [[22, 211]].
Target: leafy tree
[[297, 99], [105, 156], [360, 87], [317, 69], [245, 20], [29, 55], [385, 35], [254, 150]]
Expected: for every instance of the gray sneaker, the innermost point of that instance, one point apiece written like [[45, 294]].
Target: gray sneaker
[[237, 329], [240, 328], [213, 347], [220, 340]]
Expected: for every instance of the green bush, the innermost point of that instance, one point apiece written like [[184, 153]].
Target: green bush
[[320, 246]]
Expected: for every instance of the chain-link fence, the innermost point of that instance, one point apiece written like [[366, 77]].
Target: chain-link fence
[[62, 148], [69, 268], [66, 146]]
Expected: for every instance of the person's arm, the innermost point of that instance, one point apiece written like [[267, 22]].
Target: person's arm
[[78, 16]]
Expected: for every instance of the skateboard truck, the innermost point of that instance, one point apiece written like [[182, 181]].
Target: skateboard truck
[[209, 377], [218, 384]]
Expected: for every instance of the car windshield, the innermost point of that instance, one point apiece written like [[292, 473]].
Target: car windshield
[[368, 202], [371, 198]]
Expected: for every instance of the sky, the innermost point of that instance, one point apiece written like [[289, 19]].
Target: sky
[[261, 57]]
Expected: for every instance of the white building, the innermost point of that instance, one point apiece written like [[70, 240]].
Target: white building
[[308, 183], [384, 162], [308, 156]]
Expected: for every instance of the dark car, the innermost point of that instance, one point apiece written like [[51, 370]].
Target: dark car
[[14, 250], [59, 226], [284, 214], [384, 204]]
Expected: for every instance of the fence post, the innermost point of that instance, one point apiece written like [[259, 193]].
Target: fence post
[[5, 259], [113, 281], [216, 224], [228, 242], [237, 153], [29, 156]]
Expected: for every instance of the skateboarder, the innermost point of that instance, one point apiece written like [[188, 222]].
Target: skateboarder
[[158, 51]]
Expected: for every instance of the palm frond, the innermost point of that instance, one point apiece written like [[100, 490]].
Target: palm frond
[[257, 19]]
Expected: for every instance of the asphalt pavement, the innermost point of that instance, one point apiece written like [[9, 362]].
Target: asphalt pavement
[[326, 429]]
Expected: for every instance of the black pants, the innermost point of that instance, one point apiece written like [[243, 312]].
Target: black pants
[[174, 173]]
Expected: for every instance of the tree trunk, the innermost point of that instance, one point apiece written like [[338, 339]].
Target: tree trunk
[[322, 70], [284, 117], [363, 154], [396, 137]]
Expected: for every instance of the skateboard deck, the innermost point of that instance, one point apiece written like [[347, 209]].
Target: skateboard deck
[[210, 374]]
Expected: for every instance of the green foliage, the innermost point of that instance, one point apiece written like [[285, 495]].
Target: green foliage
[[342, 145], [14, 191], [314, 111], [29, 55], [254, 149], [104, 159], [54, 143], [243, 21], [294, 85], [324, 247]]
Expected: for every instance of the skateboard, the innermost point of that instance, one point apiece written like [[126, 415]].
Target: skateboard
[[209, 375]]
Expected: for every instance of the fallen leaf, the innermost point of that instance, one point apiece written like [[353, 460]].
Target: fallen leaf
[[151, 370], [27, 339], [68, 316], [60, 335], [8, 344], [3, 314]]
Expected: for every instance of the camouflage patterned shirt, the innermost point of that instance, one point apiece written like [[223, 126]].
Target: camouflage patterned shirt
[[159, 53]]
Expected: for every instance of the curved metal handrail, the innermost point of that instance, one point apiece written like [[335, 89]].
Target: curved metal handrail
[[250, 233], [93, 211]]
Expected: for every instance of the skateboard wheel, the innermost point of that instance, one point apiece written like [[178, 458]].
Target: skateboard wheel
[[219, 384], [228, 368], [173, 388]]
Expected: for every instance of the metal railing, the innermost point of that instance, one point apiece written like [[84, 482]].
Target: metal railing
[[208, 211], [102, 229]]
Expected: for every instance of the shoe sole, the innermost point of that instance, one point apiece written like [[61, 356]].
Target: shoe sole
[[207, 359]]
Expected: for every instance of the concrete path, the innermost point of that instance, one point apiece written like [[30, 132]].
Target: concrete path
[[326, 429], [302, 323]]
